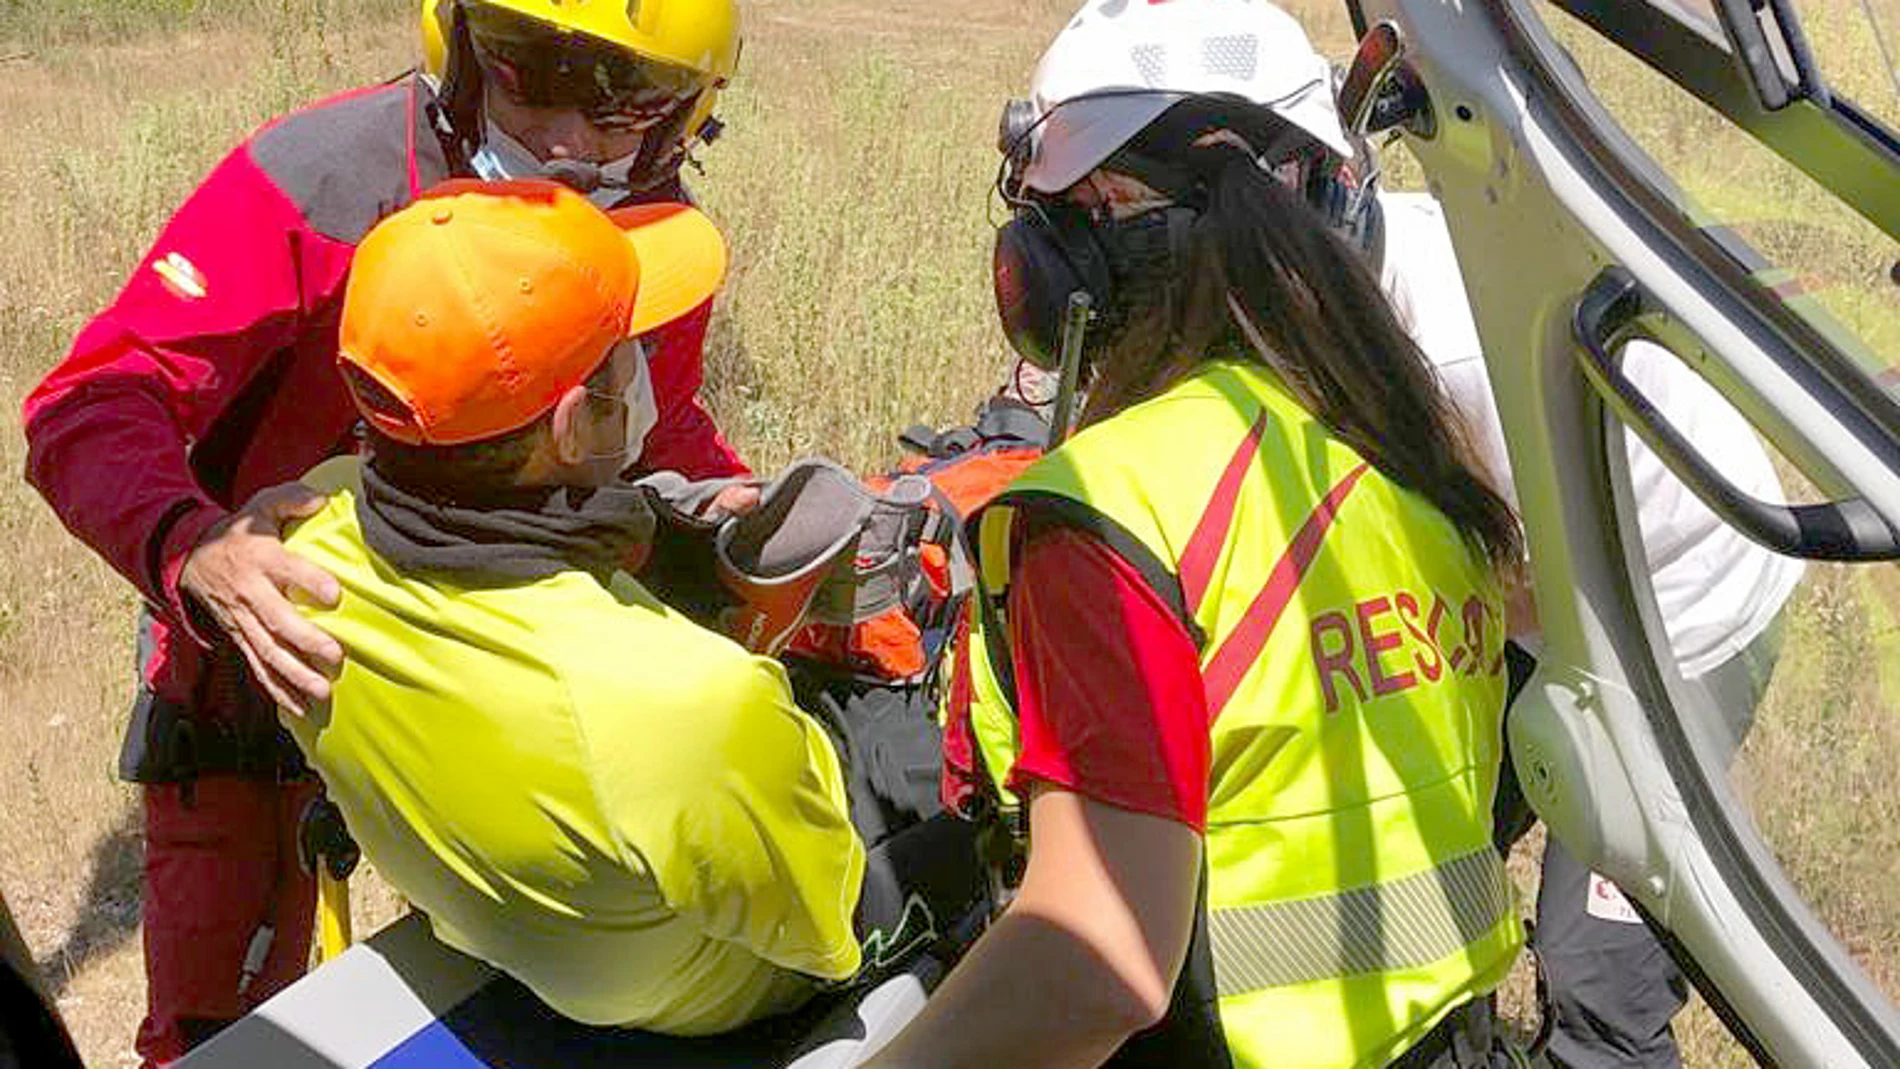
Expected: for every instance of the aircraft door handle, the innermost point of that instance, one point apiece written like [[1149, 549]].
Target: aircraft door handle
[[1844, 530]]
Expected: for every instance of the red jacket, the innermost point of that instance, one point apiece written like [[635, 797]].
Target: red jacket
[[213, 374]]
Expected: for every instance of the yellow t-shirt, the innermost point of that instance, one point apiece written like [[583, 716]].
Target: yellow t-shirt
[[621, 809]]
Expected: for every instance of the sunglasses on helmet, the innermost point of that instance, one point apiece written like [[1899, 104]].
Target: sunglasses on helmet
[[543, 67]]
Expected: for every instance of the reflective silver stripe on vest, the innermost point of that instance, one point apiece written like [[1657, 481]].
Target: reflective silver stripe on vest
[[1403, 924]]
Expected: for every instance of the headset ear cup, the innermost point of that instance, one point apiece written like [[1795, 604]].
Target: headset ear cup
[[1031, 279]]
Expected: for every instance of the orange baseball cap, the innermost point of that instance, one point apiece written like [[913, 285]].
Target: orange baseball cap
[[471, 311]]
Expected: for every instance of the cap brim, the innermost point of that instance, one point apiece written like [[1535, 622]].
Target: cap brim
[[1082, 132], [682, 261]]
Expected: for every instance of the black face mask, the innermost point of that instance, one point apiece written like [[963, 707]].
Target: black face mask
[[1048, 251]]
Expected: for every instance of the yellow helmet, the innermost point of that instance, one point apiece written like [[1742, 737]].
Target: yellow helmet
[[697, 36]]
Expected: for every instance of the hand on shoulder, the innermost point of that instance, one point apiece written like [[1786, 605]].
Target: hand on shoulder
[[242, 577]]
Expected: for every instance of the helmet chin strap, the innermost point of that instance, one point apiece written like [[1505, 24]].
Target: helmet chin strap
[[606, 184]]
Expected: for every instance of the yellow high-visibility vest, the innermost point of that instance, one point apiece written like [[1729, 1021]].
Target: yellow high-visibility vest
[[1352, 648], [619, 808]]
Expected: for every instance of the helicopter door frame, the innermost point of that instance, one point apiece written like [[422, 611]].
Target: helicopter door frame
[[1535, 175]]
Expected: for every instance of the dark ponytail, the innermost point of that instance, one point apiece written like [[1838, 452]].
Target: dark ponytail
[[1329, 334]]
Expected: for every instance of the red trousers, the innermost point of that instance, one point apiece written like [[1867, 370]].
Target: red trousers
[[220, 866]]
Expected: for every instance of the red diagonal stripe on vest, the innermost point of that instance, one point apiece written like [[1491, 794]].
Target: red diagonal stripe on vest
[[1210, 533], [1243, 645]]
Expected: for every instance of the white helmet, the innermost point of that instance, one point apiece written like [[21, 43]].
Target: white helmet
[[1120, 63]]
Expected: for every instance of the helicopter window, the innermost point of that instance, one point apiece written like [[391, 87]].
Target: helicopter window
[[1806, 724], [1809, 250], [1858, 46]]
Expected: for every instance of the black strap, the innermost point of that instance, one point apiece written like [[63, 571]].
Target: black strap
[[1464, 1039], [1044, 508], [918, 438], [1002, 421], [1005, 420], [954, 442], [167, 742]]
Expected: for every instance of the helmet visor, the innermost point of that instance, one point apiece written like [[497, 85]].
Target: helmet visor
[[542, 66]]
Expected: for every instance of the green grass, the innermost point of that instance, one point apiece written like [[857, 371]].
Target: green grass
[[832, 309], [41, 25], [1832, 710]]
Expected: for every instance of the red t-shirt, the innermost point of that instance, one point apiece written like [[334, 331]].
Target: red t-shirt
[[1108, 682]]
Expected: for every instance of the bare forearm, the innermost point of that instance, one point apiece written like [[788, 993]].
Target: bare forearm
[[1031, 993], [1086, 956]]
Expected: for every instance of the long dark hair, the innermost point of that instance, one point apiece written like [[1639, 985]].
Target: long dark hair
[[1327, 331]]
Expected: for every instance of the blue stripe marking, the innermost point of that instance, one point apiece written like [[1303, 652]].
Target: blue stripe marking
[[435, 1047], [504, 1025]]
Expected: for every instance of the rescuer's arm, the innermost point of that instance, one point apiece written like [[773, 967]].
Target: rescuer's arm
[[109, 428], [1115, 759], [746, 829], [1086, 955]]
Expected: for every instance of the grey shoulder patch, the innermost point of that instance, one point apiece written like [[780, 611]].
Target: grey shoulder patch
[[345, 162]]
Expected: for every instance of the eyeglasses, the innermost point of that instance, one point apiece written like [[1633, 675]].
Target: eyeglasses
[[542, 67], [636, 401]]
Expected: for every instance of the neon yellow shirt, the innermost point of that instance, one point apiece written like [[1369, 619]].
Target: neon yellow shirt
[[619, 808]]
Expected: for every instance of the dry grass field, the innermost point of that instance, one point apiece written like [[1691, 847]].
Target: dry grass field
[[853, 185], [124, 108]]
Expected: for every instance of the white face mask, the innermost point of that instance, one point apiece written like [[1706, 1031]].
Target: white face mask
[[501, 157], [642, 412]]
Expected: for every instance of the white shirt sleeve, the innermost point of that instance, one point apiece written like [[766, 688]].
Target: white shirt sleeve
[[1716, 589]]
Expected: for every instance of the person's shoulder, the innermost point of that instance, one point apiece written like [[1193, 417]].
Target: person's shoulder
[[330, 535], [1223, 397], [1424, 282], [337, 475], [345, 161]]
